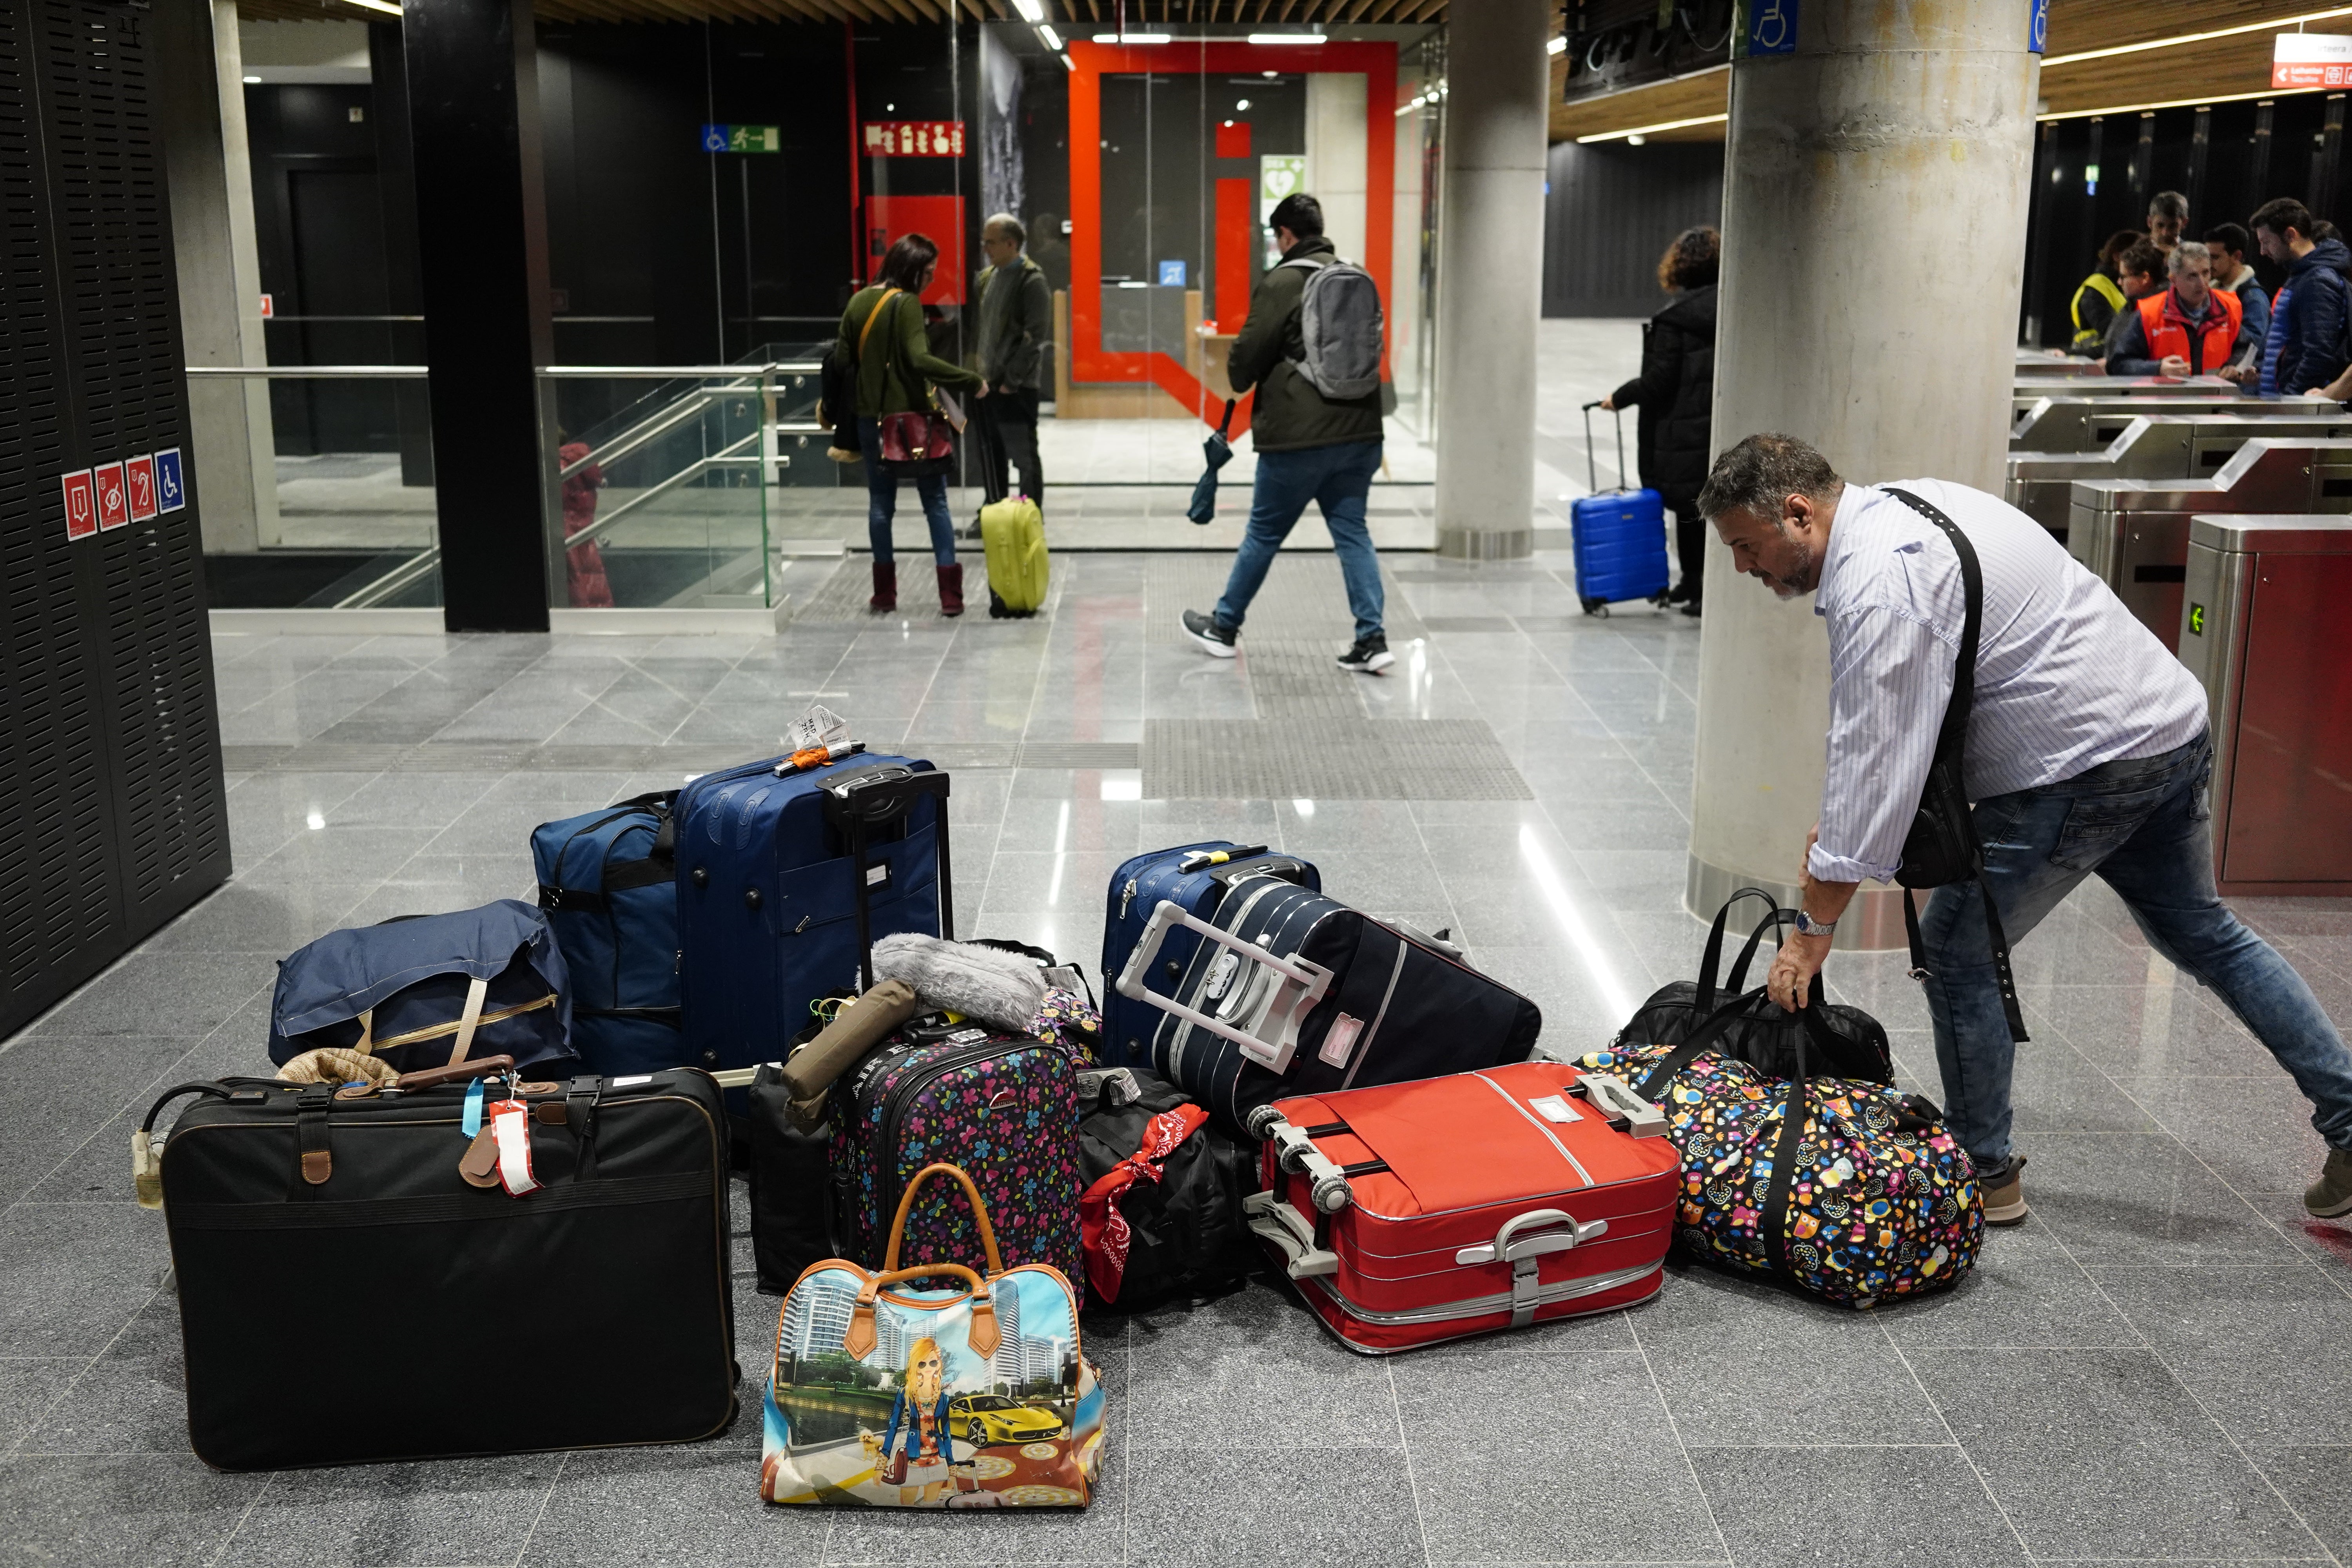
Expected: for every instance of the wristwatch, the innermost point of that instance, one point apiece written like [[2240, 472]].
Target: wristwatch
[[1807, 926]]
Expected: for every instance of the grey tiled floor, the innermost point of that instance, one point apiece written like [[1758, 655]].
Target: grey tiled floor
[[2154, 1368]]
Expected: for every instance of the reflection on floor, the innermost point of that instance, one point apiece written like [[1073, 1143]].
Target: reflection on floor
[[2153, 1367]]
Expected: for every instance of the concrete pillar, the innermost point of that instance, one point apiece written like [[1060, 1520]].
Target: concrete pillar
[[1490, 276], [1336, 157], [1891, 134], [202, 105]]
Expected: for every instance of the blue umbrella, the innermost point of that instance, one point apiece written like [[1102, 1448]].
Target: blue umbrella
[[1219, 451]]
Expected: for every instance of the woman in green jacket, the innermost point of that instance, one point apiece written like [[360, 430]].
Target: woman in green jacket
[[896, 372]]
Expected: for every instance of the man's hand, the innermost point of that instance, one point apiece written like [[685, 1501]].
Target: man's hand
[[2173, 364], [982, 392], [1795, 968], [1609, 403]]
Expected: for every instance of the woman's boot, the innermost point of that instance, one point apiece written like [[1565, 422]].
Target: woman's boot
[[886, 587], [952, 589]]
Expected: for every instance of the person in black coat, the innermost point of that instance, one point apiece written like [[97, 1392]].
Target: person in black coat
[[1675, 393]]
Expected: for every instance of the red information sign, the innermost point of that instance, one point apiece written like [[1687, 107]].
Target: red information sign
[[914, 139], [2311, 59], [82, 506], [114, 506], [139, 478]]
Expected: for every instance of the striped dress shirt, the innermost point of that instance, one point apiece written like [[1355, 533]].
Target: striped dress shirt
[[2066, 679]]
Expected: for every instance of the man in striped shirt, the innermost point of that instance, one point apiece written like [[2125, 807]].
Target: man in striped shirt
[[2086, 752]]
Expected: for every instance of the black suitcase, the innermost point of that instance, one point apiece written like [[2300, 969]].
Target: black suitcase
[[1293, 992], [346, 1297]]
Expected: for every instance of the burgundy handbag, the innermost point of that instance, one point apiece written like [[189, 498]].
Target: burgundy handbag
[[919, 441]]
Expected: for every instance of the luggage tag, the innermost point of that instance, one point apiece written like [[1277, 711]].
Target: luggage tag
[[509, 1131], [478, 1166]]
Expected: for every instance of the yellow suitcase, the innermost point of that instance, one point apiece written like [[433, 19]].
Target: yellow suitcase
[[1012, 531]]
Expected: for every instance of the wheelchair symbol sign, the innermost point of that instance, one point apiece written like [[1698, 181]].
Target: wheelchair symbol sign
[[1769, 28], [714, 138]]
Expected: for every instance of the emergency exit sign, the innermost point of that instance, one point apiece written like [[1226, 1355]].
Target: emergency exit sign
[[742, 139]]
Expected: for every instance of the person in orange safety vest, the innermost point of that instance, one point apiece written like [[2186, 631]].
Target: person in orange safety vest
[[2189, 329]]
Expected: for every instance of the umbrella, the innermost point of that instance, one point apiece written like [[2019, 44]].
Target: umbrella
[[1219, 451]]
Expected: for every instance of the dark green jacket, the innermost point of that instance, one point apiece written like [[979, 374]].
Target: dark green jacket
[[901, 381], [1014, 329], [1291, 416]]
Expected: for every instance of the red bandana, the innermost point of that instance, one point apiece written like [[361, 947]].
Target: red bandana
[[1102, 1226]]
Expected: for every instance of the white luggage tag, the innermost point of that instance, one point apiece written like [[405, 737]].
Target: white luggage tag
[[510, 1131]]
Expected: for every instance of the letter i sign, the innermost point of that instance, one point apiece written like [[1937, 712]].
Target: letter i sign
[[82, 506]]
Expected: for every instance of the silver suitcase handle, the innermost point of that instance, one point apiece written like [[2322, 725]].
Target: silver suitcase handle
[[1299, 984]]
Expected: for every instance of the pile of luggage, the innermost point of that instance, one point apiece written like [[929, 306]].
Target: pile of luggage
[[524, 1119]]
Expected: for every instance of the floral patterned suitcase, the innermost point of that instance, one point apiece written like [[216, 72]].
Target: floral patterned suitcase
[[1414, 1213], [881, 1395], [1003, 1108]]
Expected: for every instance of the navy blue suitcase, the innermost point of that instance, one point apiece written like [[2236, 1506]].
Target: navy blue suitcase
[[1135, 890], [783, 884], [608, 881], [1620, 537]]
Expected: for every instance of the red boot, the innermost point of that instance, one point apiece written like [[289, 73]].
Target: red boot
[[952, 589], [886, 587]]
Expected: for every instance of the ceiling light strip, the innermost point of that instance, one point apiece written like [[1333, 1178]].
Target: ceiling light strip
[[2179, 103], [2177, 40], [1661, 125]]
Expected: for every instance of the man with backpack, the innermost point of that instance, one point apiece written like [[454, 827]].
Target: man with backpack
[[1311, 347]]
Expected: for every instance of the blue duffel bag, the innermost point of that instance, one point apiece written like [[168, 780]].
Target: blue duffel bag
[[608, 882], [425, 991]]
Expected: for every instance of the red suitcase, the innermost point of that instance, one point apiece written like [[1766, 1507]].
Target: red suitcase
[[1413, 1213]]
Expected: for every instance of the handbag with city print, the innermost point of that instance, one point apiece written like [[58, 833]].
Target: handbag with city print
[[886, 1395]]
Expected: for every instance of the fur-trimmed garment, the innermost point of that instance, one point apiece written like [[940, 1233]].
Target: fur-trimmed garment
[[1003, 990]]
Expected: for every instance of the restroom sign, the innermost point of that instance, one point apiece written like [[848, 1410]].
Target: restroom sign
[[913, 138], [82, 506]]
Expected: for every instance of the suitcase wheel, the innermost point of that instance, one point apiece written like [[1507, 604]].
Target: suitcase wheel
[[1597, 607]]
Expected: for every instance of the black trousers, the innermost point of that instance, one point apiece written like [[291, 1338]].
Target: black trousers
[[1011, 413], [1690, 537]]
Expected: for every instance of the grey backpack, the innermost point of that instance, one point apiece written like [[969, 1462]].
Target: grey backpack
[[1339, 317]]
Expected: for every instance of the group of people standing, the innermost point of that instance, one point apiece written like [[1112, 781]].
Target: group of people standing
[[2160, 304]]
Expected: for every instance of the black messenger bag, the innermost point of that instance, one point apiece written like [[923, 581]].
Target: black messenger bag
[[596, 1309], [1942, 846]]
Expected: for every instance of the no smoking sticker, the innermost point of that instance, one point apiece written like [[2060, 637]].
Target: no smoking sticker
[[113, 504]]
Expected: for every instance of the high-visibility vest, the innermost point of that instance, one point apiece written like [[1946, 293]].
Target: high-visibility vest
[[2105, 288], [2211, 348]]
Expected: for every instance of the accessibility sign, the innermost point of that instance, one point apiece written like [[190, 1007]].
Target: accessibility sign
[[742, 139]]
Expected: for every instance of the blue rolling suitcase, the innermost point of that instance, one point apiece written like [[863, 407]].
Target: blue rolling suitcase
[[608, 882], [1196, 877], [783, 883], [1620, 537]]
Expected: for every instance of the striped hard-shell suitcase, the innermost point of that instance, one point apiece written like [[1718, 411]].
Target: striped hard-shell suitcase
[[1419, 1211]]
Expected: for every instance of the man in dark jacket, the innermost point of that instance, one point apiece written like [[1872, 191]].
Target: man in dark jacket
[[2305, 350], [1016, 323], [1309, 447], [1675, 393], [2195, 325]]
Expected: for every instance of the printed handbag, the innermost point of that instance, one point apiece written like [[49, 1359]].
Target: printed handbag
[[921, 441], [883, 1395], [1845, 1190]]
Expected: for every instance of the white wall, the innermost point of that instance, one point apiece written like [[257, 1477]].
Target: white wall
[[1336, 156]]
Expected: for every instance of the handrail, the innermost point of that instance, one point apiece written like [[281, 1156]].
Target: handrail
[[418, 372], [314, 372]]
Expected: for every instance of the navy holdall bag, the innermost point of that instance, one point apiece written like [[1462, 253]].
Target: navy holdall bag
[[425, 991], [608, 881], [784, 883]]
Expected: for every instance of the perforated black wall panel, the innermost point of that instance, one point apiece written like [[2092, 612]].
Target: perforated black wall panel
[[112, 816]]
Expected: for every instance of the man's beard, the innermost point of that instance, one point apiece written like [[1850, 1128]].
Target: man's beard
[[1785, 587]]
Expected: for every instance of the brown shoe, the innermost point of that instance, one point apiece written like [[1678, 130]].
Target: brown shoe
[[886, 587], [2331, 1196], [2002, 1193], [952, 589]]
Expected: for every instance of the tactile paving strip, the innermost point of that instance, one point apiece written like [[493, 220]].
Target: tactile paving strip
[[843, 597], [1291, 679], [1327, 759]]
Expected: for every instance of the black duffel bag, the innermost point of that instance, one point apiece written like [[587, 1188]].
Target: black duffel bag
[[1175, 1231], [1764, 1036]]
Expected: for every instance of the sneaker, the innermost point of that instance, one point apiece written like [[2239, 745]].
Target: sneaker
[[2003, 1194], [2331, 1196], [1369, 654], [1216, 639]]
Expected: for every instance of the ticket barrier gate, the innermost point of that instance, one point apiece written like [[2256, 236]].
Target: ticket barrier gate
[[2046, 364], [2263, 628], [2072, 422], [2026, 389], [2152, 447], [2133, 534]]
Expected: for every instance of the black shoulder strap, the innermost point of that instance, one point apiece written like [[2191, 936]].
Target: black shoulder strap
[[1952, 739]]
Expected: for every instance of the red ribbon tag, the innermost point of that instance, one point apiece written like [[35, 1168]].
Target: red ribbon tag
[[1101, 1227], [510, 1126]]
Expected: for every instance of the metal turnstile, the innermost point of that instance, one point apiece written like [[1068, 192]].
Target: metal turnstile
[[2266, 628], [2083, 421], [2133, 534], [2165, 446], [2051, 365]]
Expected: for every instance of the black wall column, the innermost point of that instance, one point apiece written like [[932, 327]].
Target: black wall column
[[472, 106]]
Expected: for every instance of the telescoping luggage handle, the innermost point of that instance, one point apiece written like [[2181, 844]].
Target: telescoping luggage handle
[[1593, 468], [856, 806], [1299, 985]]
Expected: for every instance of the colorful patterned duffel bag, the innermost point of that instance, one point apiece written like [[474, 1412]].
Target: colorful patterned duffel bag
[[1859, 1195]]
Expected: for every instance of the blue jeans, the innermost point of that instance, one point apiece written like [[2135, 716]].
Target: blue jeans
[[882, 501], [2145, 826], [1338, 479]]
